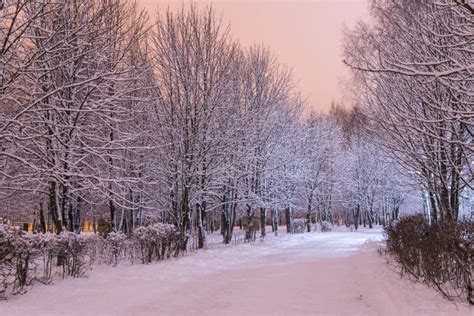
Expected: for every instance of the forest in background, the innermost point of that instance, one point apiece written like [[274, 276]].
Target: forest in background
[[108, 113]]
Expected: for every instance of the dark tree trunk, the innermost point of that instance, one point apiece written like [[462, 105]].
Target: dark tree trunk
[[356, 215], [263, 221], [201, 214], [77, 216], [223, 222], [434, 208], [249, 218], [123, 222], [53, 207], [308, 218], [396, 213], [131, 222], [233, 216], [185, 224], [70, 218], [64, 204], [228, 218], [112, 215], [384, 216], [227, 229], [275, 221], [288, 219], [41, 218]]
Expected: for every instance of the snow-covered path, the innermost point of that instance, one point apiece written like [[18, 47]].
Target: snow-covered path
[[335, 273]]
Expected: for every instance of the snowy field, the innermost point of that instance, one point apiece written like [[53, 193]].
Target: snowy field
[[335, 273]]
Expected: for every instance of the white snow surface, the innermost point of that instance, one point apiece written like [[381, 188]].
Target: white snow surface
[[281, 249], [335, 273]]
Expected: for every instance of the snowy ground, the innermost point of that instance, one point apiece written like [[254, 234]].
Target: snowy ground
[[336, 273]]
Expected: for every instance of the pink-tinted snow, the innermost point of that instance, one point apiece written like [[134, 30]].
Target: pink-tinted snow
[[335, 273]]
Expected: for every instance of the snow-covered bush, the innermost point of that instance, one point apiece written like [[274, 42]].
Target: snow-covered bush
[[115, 245], [298, 226], [315, 227], [19, 254], [48, 246], [25, 257], [156, 242], [8, 248], [72, 254], [326, 226], [96, 249]]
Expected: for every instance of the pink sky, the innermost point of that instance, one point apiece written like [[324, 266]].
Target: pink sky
[[306, 35]]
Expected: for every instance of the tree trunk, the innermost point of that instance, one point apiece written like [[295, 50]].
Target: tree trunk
[[228, 218], [263, 221], [112, 215], [41, 218], [356, 215], [223, 223], [70, 217], [308, 218], [201, 213], [53, 206], [249, 230], [77, 216], [433, 207], [185, 223], [275, 221], [131, 223], [396, 213], [288, 219], [233, 216]]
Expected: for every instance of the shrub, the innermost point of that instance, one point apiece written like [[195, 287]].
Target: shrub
[[115, 245], [315, 227], [72, 254], [440, 255], [156, 242], [25, 257], [326, 226], [21, 254], [298, 226]]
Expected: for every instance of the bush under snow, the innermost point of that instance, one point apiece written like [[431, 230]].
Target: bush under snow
[[26, 257]]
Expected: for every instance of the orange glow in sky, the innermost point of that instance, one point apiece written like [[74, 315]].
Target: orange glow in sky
[[306, 35]]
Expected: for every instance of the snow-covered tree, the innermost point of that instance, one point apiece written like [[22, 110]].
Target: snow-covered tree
[[72, 95], [321, 150], [413, 67]]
